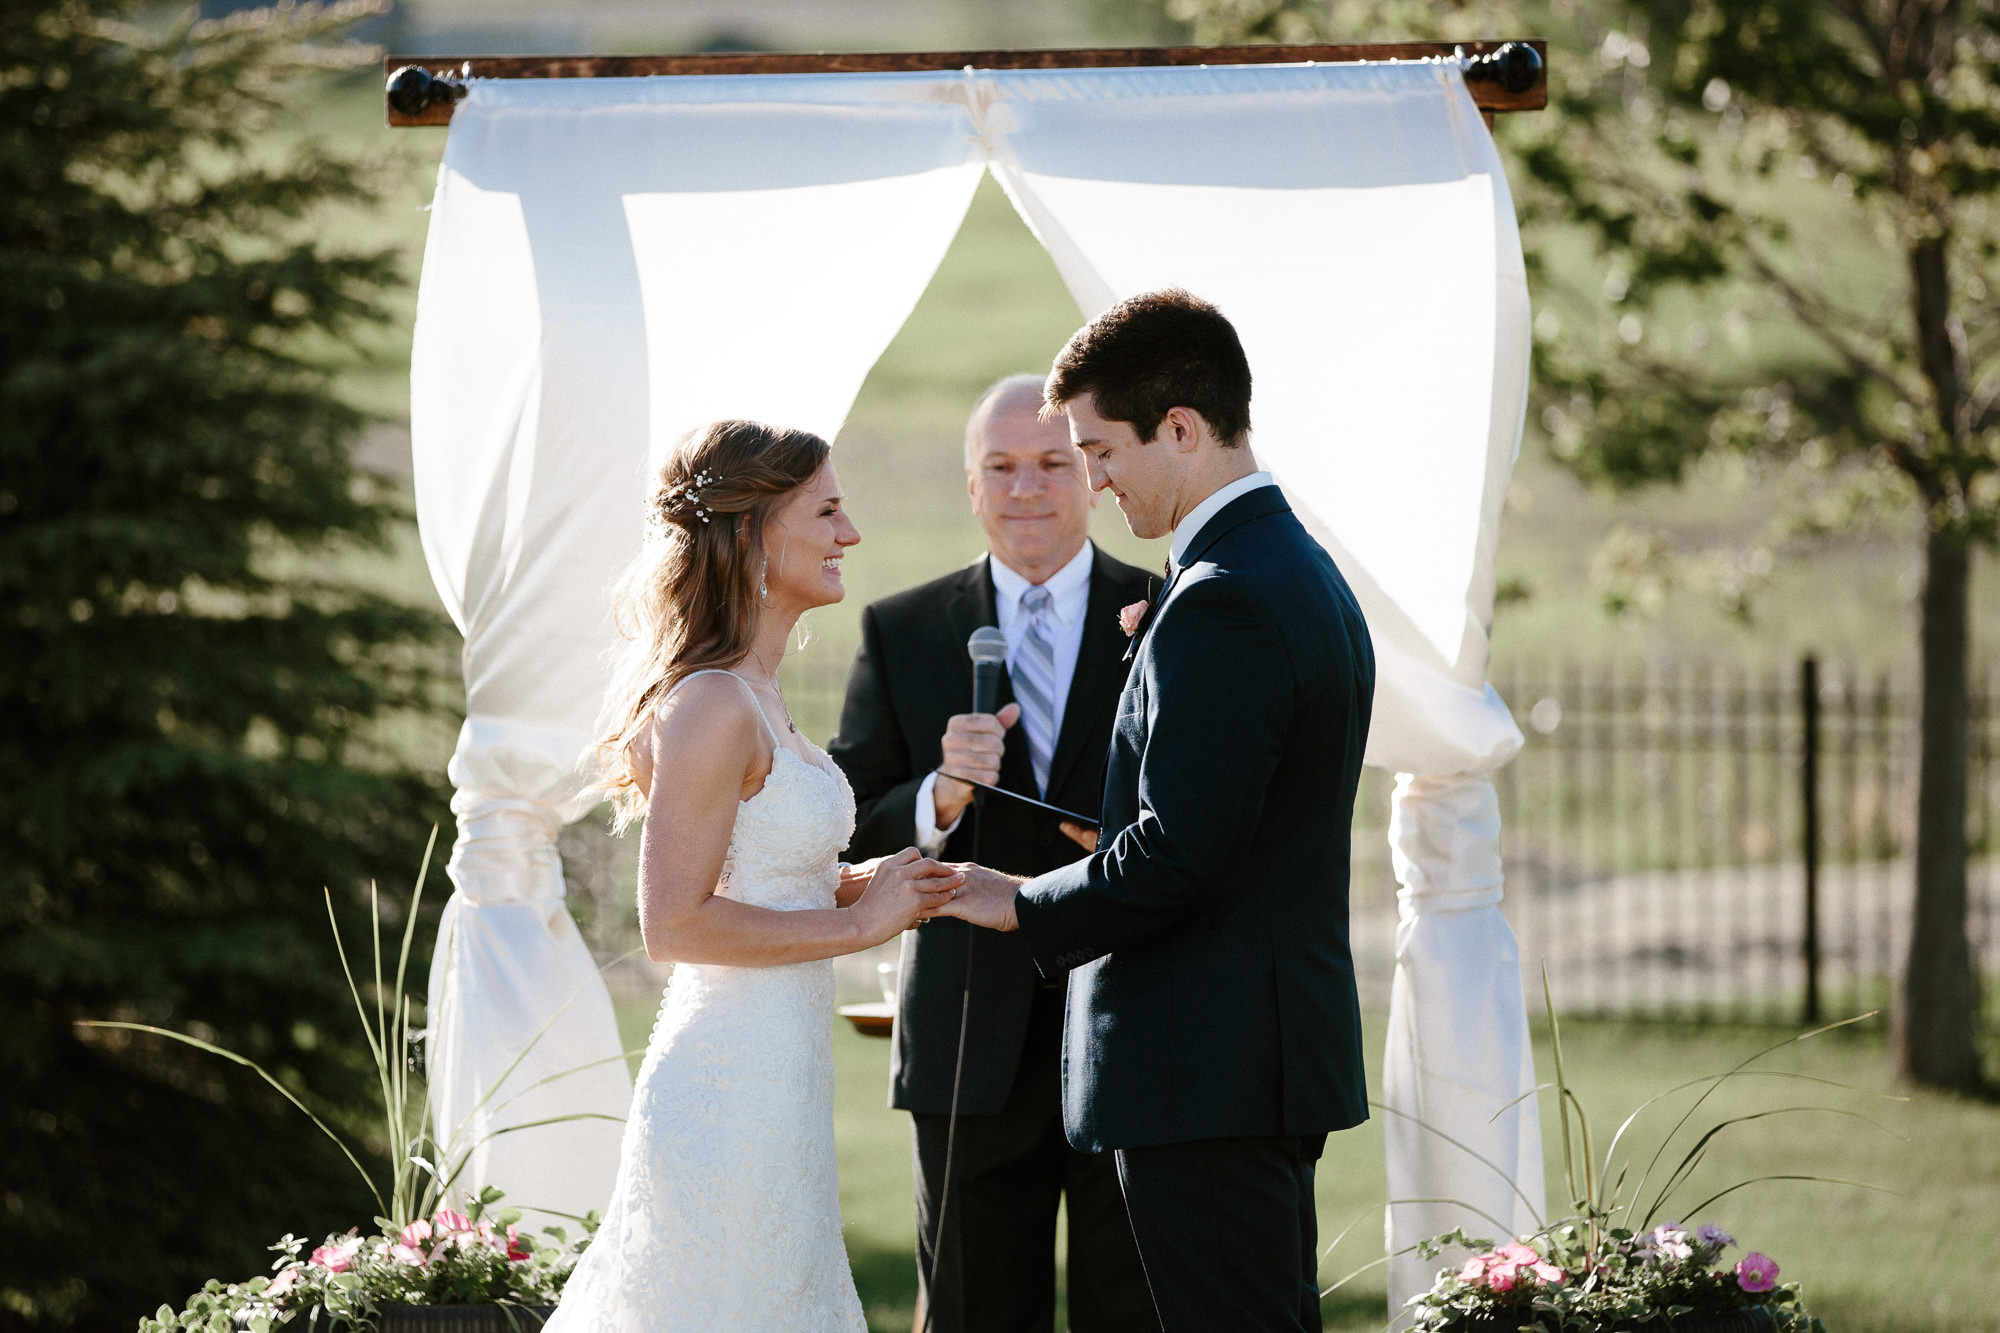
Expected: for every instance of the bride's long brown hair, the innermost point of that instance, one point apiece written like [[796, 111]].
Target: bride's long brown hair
[[690, 600]]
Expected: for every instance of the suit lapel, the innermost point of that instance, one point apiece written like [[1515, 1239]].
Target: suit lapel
[[1263, 501], [1100, 669], [971, 606], [1260, 503]]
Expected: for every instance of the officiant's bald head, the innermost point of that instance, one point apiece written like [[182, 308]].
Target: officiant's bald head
[[1025, 479]]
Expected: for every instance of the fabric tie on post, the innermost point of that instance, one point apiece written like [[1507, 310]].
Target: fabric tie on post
[[521, 1026], [1458, 1052], [1034, 676]]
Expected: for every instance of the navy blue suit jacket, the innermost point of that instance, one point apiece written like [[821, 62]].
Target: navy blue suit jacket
[[1211, 989]]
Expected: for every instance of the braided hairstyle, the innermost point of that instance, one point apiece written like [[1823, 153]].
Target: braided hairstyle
[[689, 600]]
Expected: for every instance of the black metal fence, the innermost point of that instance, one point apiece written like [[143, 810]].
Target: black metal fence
[[1716, 842], [1656, 836]]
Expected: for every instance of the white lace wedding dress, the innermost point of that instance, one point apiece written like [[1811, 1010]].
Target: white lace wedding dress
[[726, 1214]]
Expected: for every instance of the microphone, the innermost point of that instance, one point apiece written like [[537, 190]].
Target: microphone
[[988, 649]]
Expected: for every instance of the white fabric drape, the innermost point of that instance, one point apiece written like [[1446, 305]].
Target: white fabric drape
[[603, 272], [1355, 225], [1459, 1135], [613, 261]]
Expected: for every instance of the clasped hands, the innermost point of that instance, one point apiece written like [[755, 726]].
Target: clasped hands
[[893, 893]]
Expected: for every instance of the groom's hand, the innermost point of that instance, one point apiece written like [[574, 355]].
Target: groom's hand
[[972, 745], [985, 899], [1085, 838]]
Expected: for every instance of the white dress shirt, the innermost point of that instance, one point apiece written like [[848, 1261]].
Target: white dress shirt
[[1069, 591], [1190, 527]]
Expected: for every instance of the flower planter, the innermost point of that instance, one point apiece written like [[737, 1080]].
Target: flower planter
[[1747, 1319], [462, 1318]]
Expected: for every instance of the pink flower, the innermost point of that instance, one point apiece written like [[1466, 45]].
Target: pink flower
[[447, 1220], [517, 1249], [337, 1258], [1757, 1272], [1714, 1235], [1549, 1273], [415, 1234], [1129, 618], [1474, 1273], [1516, 1253], [1500, 1276], [287, 1278], [1669, 1241]]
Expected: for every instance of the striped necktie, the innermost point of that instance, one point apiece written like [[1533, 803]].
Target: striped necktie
[[1034, 676]]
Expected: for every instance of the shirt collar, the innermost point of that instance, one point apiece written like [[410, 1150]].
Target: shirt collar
[[1069, 587], [1191, 526]]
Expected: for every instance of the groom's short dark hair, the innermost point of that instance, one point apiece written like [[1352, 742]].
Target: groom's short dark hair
[[1152, 353]]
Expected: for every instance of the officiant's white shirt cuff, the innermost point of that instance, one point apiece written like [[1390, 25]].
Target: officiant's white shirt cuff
[[930, 838]]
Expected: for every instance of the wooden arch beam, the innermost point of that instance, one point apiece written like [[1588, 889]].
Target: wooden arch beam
[[423, 90]]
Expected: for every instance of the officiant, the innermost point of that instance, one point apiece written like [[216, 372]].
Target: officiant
[[1056, 597]]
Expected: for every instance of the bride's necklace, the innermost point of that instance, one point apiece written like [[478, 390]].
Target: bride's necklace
[[771, 680]]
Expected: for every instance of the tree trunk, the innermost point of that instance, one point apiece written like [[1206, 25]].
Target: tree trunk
[[1936, 1042]]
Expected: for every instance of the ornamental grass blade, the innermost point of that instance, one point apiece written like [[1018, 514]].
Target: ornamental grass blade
[[1612, 1151], [1505, 1230], [1697, 1210], [522, 1054], [626, 1054], [260, 1071], [1742, 1065], [1478, 1157], [1563, 1097], [466, 1156], [1685, 1171]]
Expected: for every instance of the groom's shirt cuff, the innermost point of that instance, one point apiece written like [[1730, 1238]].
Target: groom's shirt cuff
[[930, 838]]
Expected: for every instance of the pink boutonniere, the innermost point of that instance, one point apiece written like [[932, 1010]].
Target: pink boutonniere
[[1129, 618]]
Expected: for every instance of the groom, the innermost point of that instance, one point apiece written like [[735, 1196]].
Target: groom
[[1212, 1037]]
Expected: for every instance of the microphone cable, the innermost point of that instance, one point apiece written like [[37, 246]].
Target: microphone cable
[[988, 650]]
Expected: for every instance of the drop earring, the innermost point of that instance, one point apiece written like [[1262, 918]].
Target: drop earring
[[763, 579]]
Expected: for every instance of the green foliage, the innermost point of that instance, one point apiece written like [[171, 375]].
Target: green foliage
[[1591, 1271], [190, 712], [1810, 182], [472, 1258]]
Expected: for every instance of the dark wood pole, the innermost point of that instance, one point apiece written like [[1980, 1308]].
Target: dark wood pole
[[422, 90]]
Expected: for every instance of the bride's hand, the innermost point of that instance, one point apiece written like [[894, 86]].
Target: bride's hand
[[854, 881], [902, 890]]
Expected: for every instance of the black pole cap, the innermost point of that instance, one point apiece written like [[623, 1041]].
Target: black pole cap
[[1514, 67], [414, 90]]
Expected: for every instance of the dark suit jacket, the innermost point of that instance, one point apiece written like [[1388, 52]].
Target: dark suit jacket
[[1211, 991], [910, 676]]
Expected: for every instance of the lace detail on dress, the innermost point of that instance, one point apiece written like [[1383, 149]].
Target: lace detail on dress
[[726, 1214]]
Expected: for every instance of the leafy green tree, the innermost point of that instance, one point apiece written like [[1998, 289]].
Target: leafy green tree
[[192, 704], [1816, 174], [1788, 204]]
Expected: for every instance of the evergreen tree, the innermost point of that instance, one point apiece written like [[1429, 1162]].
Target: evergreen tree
[[191, 718]]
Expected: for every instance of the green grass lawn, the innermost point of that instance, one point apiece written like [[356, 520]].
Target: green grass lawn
[[1923, 1253]]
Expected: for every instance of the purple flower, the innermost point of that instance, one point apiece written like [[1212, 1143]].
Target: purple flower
[[1758, 1272], [1715, 1235]]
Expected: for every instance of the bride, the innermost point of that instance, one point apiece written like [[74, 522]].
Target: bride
[[726, 1213]]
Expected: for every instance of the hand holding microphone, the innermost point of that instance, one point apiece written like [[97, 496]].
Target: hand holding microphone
[[973, 742]]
